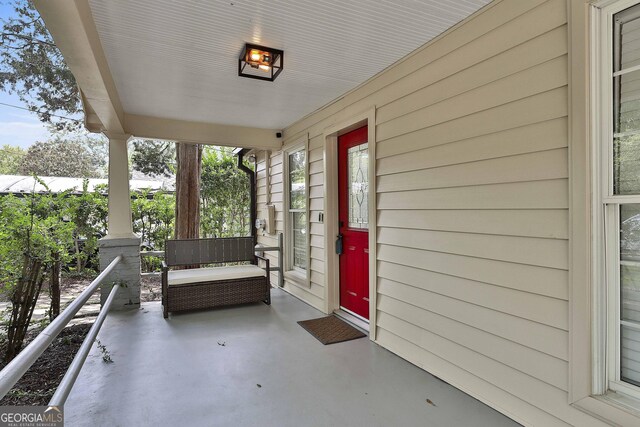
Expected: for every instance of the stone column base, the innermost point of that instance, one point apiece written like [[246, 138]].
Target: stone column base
[[126, 273]]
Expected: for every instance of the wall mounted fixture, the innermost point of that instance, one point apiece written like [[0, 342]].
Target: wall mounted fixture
[[259, 62]]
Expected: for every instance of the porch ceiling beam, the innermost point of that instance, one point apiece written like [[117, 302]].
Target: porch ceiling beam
[[71, 25], [201, 133], [91, 120]]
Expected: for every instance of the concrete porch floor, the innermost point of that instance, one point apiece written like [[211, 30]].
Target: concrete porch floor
[[203, 369]]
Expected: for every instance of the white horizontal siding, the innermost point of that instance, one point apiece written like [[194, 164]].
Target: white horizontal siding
[[472, 207], [546, 135], [546, 223], [541, 78], [534, 363], [544, 281], [534, 109], [540, 337], [542, 165]]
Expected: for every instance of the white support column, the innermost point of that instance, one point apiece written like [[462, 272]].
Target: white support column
[[119, 196], [120, 239], [126, 273]]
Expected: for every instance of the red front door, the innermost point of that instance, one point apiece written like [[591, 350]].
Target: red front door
[[353, 182]]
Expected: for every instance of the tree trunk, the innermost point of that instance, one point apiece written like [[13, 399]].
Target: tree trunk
[[54, 288], [189, 164], [23, 302], [78, 253]]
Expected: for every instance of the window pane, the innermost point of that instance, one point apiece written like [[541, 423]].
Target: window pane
[[628, 94], [297, 188], [358, 170], [626, 108], [626, 164], [626, 141], [630, 261], [630, 293], [627, 32], [299, 224], [630, 355], [297, 202]]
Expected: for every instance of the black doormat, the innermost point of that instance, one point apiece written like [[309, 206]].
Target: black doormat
[[330, 330]]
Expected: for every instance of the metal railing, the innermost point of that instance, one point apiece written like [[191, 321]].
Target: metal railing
[[260, 249], [157, 254], [151, 254], [11, 373]]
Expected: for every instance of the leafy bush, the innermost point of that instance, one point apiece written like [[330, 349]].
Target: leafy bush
[[34, 239], [224, 193], [153, 221], [88, 212]]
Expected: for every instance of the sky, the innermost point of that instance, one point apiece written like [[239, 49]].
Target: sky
[[17, 127]]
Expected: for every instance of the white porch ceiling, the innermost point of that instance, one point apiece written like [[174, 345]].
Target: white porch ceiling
[[178, 59]]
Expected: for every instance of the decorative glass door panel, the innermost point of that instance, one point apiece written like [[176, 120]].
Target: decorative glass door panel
[[358, 186]]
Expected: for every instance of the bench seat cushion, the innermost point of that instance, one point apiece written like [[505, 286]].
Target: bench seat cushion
[[195, 275]]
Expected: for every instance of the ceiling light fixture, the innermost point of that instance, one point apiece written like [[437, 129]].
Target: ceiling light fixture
[[259, 62]]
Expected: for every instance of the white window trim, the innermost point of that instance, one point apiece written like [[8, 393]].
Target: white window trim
[[291, 273], [605, 273]]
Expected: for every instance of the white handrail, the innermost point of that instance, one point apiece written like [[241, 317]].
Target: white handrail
[[69, 379], [23, 361]]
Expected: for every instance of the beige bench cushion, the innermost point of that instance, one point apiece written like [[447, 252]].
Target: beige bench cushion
[[182, 277]]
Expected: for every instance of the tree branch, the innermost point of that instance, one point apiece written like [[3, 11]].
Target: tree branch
[[32, 40]]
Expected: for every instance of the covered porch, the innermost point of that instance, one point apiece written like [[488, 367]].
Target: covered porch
[[253, 365], [465, 105]]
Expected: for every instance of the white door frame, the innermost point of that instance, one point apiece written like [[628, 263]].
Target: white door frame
[[332, 262]]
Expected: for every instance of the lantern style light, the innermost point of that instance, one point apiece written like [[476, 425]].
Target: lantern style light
[[260, 62]]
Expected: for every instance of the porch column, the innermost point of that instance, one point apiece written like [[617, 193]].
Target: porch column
[[120, 239], [119, 195]]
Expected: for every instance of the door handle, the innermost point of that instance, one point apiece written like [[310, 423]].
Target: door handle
[[339, 244]]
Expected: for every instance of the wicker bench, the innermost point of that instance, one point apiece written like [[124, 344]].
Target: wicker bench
[[200, 288]]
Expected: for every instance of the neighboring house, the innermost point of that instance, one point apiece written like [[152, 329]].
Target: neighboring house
[[480, 223], [17, 184]]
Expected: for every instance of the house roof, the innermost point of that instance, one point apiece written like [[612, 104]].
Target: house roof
[[16, 184], [166, 69]]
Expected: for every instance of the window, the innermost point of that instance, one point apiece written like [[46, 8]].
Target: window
[[297, 209], [618, 204]]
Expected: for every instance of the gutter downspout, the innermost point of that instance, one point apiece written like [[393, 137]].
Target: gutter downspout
[[252, 193]]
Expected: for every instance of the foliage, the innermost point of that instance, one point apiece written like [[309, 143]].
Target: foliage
[[10, 158], [88, 213], [153, 157], [33, 226], [224, 193], [96, 144], [106, 354], [32, 67], [60, 157], [33, 237], [153, 220]]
